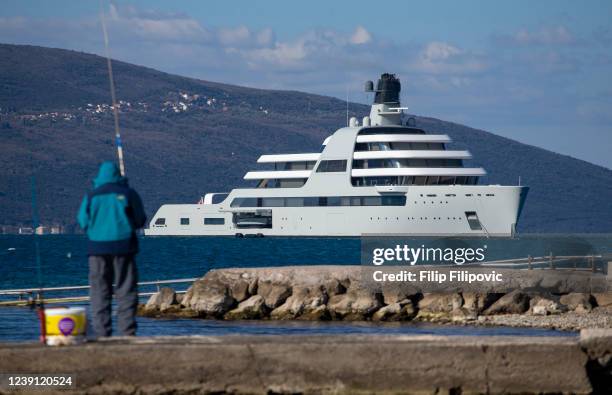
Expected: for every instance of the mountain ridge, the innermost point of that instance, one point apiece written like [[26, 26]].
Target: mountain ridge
[[184, 137]]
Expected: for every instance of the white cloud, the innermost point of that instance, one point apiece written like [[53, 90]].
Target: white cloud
[[443, 58], [360, 36], [309, 51], [284, 55], [557, 35], [265, 37], [436, 51], [460, 82], [233, 36]]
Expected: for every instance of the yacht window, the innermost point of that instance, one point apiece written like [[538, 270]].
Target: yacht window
[[420, 180], [245, 202], [320, 201], [390, 130], [303, 165], [404, 162], [160, 221], [282, 183], [332, 166], [184, 221], [386, 180], [311, 201], [447, 180], [294, 202], [371, 201], [334, 201], [273, 202], [393, 200], [219, 197], [291, 183], [214, 221], [433, 180]]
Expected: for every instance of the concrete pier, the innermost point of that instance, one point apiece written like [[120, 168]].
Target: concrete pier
[[326, 364]]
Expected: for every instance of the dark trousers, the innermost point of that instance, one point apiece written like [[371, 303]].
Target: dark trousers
[[102, 270]]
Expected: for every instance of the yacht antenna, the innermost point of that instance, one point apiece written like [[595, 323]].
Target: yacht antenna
[[113, 96], [347, 106]]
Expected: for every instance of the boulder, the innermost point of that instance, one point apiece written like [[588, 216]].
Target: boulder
[[209, 296], [462, 315], [400, 311], [162, 299], [320, 313], [408, 311], [334, 286], [387, 312], [273, 293], [541, 305], [440, 303], [355, 305], [303, 301], [478, 302], [253, 283], [250, 309], [514, 302], [603, 299], [172, 311], [579, 302], [394, 293], [239, 289]]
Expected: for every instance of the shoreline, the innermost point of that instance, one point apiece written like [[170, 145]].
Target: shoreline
[[566, 323]]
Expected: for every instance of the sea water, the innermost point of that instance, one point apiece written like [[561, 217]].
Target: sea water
[[64, 263]]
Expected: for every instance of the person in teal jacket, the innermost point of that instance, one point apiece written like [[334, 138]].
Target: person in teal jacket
[[110, 214]]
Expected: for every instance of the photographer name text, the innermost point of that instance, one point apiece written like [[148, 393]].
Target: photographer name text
[[436, 276]]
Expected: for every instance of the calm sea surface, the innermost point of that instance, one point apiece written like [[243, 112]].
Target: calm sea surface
[[64, 262]]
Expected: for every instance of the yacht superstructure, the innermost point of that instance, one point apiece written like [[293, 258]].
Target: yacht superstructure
[[382, 176]]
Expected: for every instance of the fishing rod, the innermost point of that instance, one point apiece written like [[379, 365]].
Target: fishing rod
[[113, 95], [38, 303]]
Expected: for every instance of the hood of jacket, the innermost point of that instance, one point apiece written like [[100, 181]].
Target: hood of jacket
[[108, 173]]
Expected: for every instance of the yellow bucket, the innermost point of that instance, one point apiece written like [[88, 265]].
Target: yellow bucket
[[65, 325]]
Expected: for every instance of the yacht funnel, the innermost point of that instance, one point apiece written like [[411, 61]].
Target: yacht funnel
[[388, 90]]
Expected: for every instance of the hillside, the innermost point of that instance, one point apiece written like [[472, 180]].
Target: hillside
[[184, 137]]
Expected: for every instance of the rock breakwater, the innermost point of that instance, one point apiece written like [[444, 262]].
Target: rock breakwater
[[341, 293]]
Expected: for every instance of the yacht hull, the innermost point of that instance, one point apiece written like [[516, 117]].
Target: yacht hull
[[429, 211]]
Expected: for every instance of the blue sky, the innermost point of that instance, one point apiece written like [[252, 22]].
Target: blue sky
[[536, 71]]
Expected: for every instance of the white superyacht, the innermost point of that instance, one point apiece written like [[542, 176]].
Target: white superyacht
[[381, 176]]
